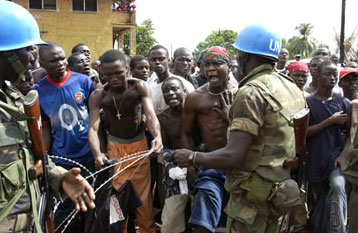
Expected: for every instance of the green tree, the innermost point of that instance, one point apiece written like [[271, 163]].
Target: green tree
[[223, 38], [144, 38], [302, 43]]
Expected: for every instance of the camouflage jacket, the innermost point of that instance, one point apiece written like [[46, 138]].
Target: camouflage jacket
[[15, 159], [264, 107]]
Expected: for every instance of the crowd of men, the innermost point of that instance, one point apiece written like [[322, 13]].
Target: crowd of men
[[218, 131]]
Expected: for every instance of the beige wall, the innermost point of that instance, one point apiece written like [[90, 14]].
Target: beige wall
[[95, 29]]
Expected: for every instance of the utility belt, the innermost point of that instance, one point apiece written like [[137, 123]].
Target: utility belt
[[17, 223], [280, 197]]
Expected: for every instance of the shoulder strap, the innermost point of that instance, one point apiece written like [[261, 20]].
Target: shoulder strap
[[16, 113], [24, 152]]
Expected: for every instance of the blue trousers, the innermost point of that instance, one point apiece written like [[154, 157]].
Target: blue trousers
[[330, 209]]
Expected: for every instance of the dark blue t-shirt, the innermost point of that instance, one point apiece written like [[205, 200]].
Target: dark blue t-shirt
[[64, 106], [326, 146]]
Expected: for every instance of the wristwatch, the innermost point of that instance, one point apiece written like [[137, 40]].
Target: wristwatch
[[191, 157]]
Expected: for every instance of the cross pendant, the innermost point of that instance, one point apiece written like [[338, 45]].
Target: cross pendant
[[118, 116]]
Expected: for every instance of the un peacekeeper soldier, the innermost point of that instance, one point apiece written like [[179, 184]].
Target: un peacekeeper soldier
[[350, 169], [261, 137], [18, 194]]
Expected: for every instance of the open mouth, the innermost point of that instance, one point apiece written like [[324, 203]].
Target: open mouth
[[214, 79], [87, 70]]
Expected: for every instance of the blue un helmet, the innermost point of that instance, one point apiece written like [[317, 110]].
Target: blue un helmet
[[18, 28], [257, 39]]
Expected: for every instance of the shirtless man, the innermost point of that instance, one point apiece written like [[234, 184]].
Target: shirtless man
[[170, 124], [159, 62], [208, 105], [170, 119], [121, 100]]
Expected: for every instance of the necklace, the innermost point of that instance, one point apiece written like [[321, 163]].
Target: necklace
[[211, 93], [118, 115]]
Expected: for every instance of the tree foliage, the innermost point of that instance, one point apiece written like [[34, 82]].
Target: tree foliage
[[350, 53], [223, 38], [144, 38], [302, 43]]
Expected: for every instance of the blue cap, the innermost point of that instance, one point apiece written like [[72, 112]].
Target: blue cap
[[18, 28]]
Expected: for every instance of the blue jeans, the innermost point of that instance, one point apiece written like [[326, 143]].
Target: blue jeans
[[330, 210]]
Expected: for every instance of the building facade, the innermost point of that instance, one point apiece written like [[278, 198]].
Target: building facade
[[97, 23]]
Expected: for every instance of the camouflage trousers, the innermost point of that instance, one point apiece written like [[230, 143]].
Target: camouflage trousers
[[246, 217]]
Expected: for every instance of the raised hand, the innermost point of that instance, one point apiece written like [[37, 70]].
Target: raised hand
[[78, 190], [226, 99]]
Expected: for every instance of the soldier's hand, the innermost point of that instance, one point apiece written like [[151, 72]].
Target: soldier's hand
[[181, 157], [339, 118], [78, 190], [99, 161]]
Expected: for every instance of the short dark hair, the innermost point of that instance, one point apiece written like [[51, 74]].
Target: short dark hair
[[325, 62], [135, 60], [178, 50], [171, 79], [201, 57], [71, 59], [45, 47], [317, 58], [113, 55], [75, 48], [157, 47]]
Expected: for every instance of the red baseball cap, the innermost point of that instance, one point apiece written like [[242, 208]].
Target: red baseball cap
[[297, 66], [347, 70]]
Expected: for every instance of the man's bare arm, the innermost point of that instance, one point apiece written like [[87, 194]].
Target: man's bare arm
[[94, 120], [188, 122], [250, 105], [229, 157], [336, 118], [152, 120]]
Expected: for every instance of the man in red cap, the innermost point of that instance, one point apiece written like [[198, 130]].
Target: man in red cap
[[299, 71], [348, 81], [208, 108]]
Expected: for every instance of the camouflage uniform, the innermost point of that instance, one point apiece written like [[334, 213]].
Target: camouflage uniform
[[18, 195], [350, 170], [264, 107]]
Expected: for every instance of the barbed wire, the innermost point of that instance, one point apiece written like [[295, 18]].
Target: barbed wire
[[138, 156]]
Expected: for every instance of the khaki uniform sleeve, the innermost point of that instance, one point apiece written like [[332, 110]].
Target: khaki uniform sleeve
[[56, 175], [247, 111]]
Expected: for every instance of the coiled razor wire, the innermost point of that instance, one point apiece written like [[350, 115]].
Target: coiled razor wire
[[138, 156], [72, 161], [91, 174]]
